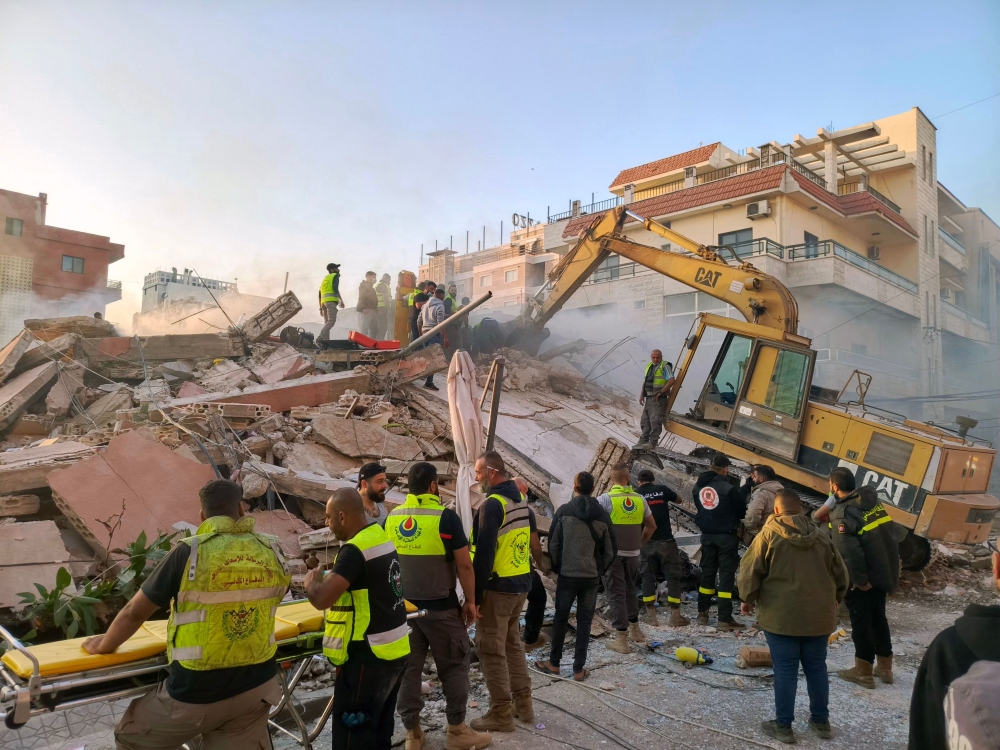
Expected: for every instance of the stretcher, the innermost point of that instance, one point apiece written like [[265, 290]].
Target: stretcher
[[59, 676]]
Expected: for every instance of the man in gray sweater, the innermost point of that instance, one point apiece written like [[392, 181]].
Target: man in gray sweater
[[582, 547]]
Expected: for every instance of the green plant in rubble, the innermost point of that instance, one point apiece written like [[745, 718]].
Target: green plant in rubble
[[142, 558], [62, 607]]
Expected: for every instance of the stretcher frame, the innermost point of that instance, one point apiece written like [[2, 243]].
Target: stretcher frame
[[21, 699]]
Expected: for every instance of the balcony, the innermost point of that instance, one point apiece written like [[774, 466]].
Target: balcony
[[849, 188], [829, 247], [951, 241], [968, 317], [113, 291], [591, 208], [112, 284]]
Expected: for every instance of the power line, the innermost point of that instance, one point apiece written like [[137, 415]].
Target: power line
[[991, 96]]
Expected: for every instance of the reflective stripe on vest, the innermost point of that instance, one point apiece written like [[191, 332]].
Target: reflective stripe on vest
[[350, 618], [626, 516], [874, 518], [384, 294], [326, 289], [409, 298], [223, 614], [513, 540], [415, 528]]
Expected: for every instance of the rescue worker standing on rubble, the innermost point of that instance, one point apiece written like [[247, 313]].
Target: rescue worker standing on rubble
[[633, 526], [433, 550], [501, 547], [660, 556], [222, 679], [432, 314], [366, 635], [720, 510], [384, 317], [329, 300], [865, 537], [657, 382], [368, 306]]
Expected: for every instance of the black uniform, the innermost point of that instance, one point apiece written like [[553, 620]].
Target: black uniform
[[721, 507], [865, 537], [659, 556]]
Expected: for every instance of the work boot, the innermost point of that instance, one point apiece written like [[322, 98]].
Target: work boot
[[883, 669], [536, 644], [782, 734], [620, 643], [860, 673], [677, 620], [649, 617], [415, 738], [703, 618], [499, 718], [822, 729], [523, 710], [635, 633], [463, 737], [731, 625]]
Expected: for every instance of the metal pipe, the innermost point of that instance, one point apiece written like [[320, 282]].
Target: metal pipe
[[498, 367], [427, 335]]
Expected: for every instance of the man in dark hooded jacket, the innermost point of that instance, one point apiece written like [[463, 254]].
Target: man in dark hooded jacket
[[864, 535], [972, 638]]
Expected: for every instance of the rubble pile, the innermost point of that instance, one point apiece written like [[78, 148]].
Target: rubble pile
[[954, 571]]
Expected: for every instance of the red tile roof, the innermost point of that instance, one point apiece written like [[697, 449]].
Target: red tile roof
[[670, 164], [854, 203], [712, 192]]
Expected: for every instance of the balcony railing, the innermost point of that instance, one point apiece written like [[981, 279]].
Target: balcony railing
[[829, 247], [848, 188], [591, 208], [670, 187], [952, 241], [762, 246], [964, 314], [112, 284]]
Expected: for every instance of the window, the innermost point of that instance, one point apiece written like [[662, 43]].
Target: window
[[729, 376], [741, 241], [859, 348], [930, 167], [679, 312], [509, 276], [812, 245], [923, 161], [607, 271], [927, 237], [14, 227], [785, 388], [930, 238], [639, 304], [485, 280], [72, 265]]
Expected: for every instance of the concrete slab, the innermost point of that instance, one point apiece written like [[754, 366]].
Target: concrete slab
[[30, 553], [161, 348], [47, 351], [157, 487], [358, 439], [317, 459], [12, 352], [311, 390], [284, 363], [22, 391], [47, 329], [68, 386], [226, 375], [190, 388], [27, 469], [285, 526], [419, 364], [103, 411], [272, 317]]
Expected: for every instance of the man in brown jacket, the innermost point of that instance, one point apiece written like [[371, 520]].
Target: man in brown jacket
[[796, 578], [368, 306]]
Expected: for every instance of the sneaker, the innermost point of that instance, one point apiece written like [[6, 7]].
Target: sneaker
[[781, 734], [821, 728]]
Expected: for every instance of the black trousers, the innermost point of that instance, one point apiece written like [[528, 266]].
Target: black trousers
[[534, 615], [720, 557], [584, 592], [660, 558], [368, 685], [869, 626]]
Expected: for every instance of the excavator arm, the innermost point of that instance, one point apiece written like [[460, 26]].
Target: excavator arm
[[761, 298]]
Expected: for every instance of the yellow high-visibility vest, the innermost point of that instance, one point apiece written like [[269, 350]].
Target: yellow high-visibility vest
[[326, 289]]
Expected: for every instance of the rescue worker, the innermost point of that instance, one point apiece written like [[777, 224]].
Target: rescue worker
[[533, 637], [417, 301], [368, 306], [222, 679], [501, 544], [660, 556], [372, 485], [432, 314], [366, 634], [761, 505], [632, 525], [657, 382], [433, 550], [720, 510], [450, 303], [384, 322], [864, 534], [329, 300]]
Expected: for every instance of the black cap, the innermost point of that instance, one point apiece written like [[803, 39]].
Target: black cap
[[370, 470], [719, 461]]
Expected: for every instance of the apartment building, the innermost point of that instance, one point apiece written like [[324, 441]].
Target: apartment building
[[47, 271], [894, 274]]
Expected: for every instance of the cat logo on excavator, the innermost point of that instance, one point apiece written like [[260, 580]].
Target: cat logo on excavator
[[707, 277]]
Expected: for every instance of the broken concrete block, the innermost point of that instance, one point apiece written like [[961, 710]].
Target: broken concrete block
[[284, 525], [11, 354], [272, 317], [156, 487], [32, 424], [104, 411], [153, 392], [301, 483], [47, 329], [284, 363], [22, 391], [30, 553], [189, 389], [47, 351], [69, 386], [418, 364], [105, 351], [312, 390], [28, 468], [18, 505], [358, 439], [318, 539], [226, 375], [317, 459], [254, 485]]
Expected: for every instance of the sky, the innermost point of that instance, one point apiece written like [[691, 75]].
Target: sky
[[247, 140]]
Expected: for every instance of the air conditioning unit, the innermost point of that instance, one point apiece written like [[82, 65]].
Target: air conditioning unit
[[874, 253], [946, 294], [758, 209]]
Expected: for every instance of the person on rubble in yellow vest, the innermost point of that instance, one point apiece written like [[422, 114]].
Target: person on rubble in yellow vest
[[501, 549], [632, 524], [366, 636], [434, 553], [222, 587], [657, 382], [329, 300]]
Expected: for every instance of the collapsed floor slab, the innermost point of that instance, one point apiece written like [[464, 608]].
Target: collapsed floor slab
[[28, 469], [30, 553], [311, 390], [18, 394]]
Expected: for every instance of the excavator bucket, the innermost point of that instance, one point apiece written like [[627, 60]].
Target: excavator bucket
[[527, 340]]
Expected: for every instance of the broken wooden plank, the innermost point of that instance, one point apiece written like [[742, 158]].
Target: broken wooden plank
[[11, 354], [47, 329], [271, 318], [22, 391], [19, 505]]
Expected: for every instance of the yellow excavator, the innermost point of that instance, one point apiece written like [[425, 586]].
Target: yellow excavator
[[758, 404]]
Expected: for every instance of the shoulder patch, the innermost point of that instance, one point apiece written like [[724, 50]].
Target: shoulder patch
[[841, 528]]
